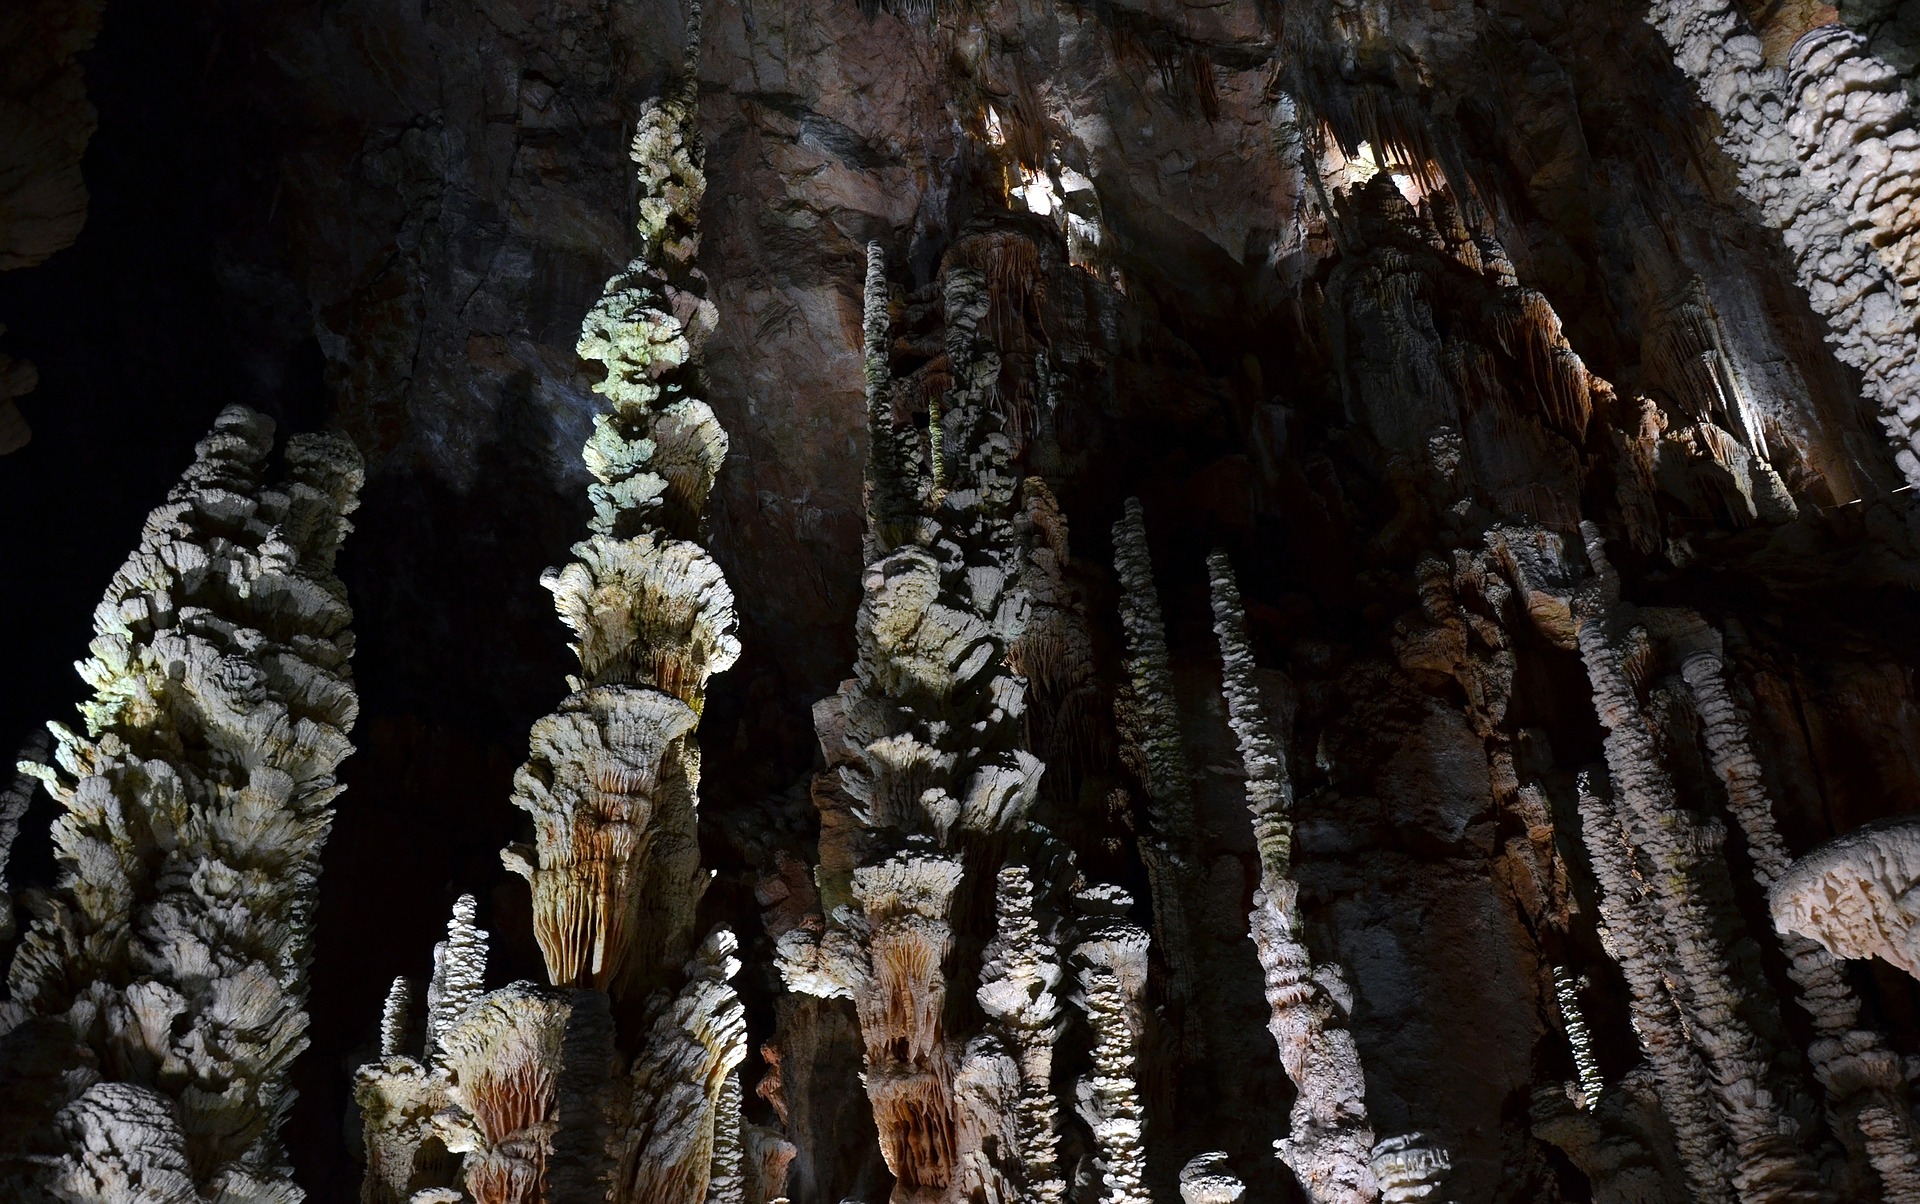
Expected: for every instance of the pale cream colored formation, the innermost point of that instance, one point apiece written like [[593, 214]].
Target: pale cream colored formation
[[174, 947], [1765, 1162], [539, 1103], [1856, 894], [1112, 967], [1330, 1144], [613, 776], [928, 777], [1860, 1075]]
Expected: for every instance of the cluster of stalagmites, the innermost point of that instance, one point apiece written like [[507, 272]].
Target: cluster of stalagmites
[[1827, 151], [927, 779], [156, 1001], [1712, 1074], [518, 1095]]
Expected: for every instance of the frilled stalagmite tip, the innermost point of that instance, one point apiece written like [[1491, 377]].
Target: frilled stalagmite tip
[[1856, 894], [503, 1062], [649, 612]]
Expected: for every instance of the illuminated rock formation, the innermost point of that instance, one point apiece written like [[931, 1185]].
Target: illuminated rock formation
[[1409, 1168], [1206, 1179], [613, 779], [1870, 325], [1019, 980], [1573, 1020], [1112, 965], [1855, 894], [1330, 1143], [1856, 135], [174, 948], [1860, 1075]]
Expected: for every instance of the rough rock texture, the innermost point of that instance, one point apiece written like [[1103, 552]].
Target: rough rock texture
[[1337, 288], [166, 969]]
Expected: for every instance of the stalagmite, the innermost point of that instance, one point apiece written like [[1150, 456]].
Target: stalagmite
[[612, 782], [892, 510], [174, 947], [1207, 1179], [1113, 972], [1856, 135], [1632, 941], [1409, 1168], [1330, 1146], [680, 1085], [1019, 980], [1768, 1164], [924, 752], [1870, 326], [1579, 1037], [1861, 1076], [399, 1095], [1173, 851]]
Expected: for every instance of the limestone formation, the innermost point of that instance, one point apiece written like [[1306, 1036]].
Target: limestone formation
[[613, 779], [1870, 326], [1207, 1179], [1566, 995], [1766, 1164], [170, 960], [1112, 971], [1854, 894], [1330, 1145], [1858, 1072]]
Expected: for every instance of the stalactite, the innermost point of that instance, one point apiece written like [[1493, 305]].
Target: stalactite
[[1860, 1075], [1331, 1141], [176, 942], [1870, 326], [1573, 1020], [612, 782], [1768, 1163]]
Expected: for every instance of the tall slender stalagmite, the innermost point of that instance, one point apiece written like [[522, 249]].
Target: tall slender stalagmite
[[543, 1108], [167, 970], [1330, 1146]]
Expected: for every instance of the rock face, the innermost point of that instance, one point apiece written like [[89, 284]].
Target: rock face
[[922, 814]]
